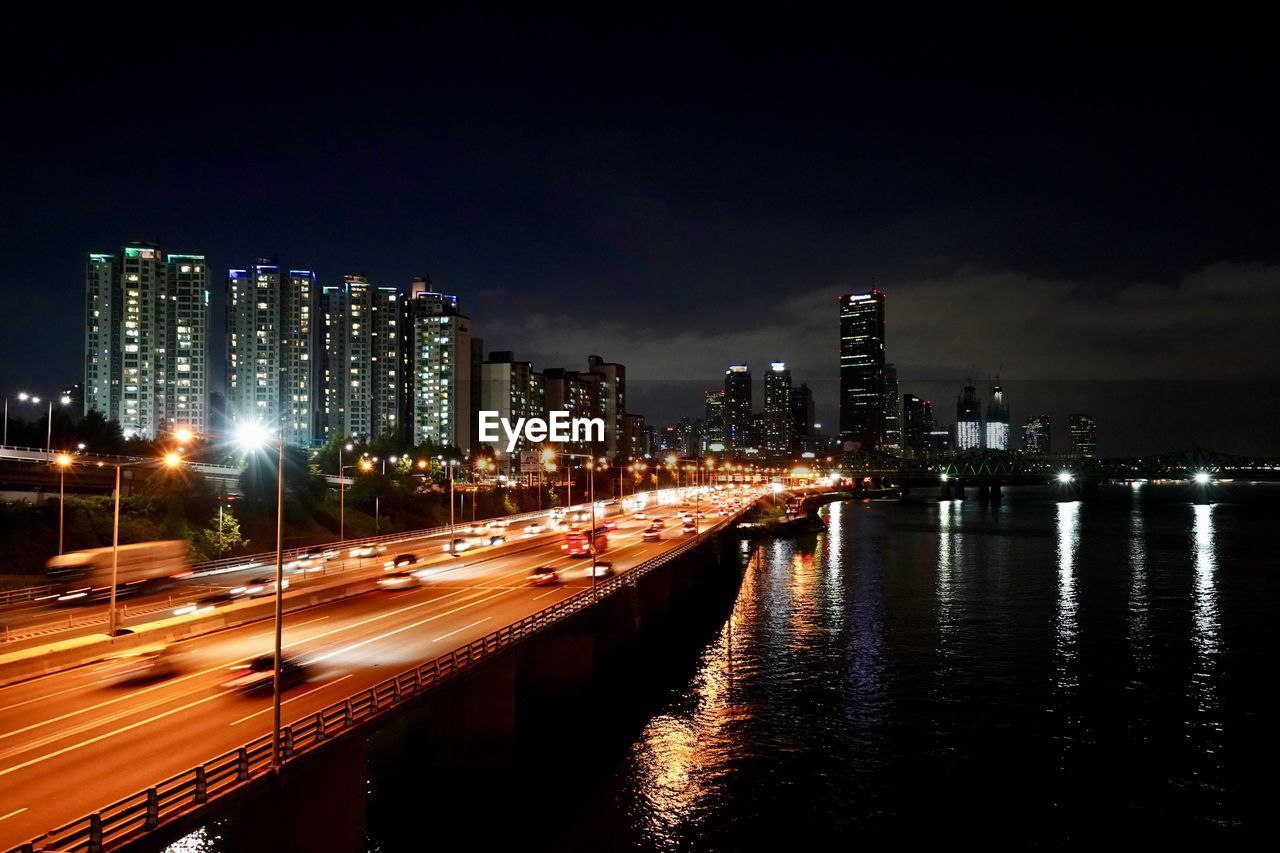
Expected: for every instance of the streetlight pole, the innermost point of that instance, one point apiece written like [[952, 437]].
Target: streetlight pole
[[453, 544], [342, 494], [115, 558], [63, 461], [275, 681]]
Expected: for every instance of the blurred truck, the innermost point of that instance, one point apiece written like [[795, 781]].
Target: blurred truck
[[81, 576]]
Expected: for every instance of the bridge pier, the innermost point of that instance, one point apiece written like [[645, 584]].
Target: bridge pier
[[984, 493], [996, 494]]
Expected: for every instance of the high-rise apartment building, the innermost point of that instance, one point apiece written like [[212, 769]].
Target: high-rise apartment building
[[1036, 435], [146, 339], [779, 421], [892, 440], [271, 377], [360, 359], [968, 420], [997, 420], [862, 369], [1084, 435], [514, 390], [613, 391], [737, 408], [438, 361], [579, 394]]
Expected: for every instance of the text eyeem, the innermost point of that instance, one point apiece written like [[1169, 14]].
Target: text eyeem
[[557, 427]]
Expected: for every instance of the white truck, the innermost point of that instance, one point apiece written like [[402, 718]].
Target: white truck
[[86, 575]]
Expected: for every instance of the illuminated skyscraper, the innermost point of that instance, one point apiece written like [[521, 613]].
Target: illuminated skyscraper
[[737, 407], [862, 369], [360, 369], [270, 364], [778, 418], [146, 339], [713, 435], [968, 420], [1084, 435], [438, 362], [997, 420], [1036, 436]]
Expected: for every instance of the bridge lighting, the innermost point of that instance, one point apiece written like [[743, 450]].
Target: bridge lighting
[[944, 476], [1065, 477], [1203, 478]]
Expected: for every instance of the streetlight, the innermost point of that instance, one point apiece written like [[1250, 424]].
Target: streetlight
[[170, 460], [1065, 477], [254, 436], [342, 492], [63, 462]]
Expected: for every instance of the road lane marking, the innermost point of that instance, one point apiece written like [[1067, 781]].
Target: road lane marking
[[460, 630], [14, 813], [403, 628], [291, 698], [105, 735]]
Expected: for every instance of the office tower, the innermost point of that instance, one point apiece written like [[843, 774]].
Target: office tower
[[438, 360], [360, 359], [737, 408], [270, 365], [1036, 436], [892, 440], [968, 420], [613, 390], [915, 430], [514, 390], [862, 370], [1084, 435], [997, 420], [713, 434], [778, 433], [146, 339], [803, 418], [689, 438]]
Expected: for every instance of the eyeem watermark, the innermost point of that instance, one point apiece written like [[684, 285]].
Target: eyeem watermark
[[558, 427]]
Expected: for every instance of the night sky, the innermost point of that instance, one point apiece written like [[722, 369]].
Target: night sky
[[1086, 204]]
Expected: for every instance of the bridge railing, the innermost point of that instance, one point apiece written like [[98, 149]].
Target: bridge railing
[[128, 819]]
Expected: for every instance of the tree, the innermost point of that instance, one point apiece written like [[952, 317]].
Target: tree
[[219, 539]]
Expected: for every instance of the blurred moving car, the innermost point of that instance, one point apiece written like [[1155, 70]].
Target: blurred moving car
[[149, 665], [658, 523], [259, 586], [651, 534], [361, 551], [640, 516], [399, 580], [533, 528], [404, 560], [688, 528], [458, 544], [602, 569], [206, 602], [544, 576], [495, 539], [256, 675]]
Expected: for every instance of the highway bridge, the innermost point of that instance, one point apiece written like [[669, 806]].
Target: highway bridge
[[89, 763], [993, 469]]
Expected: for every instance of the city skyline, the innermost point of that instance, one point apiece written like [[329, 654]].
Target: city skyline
[[1039, 221]]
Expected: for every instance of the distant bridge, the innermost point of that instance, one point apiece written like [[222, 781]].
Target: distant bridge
[[997, 468]]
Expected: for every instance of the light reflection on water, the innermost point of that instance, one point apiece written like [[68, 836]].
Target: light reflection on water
[[1035, 671]]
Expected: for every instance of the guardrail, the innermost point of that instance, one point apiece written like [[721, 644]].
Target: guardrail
[[128, 819], [26, 593]]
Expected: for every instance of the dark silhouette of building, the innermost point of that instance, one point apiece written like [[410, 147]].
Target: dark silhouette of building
[[968, 420], [1084, 435]]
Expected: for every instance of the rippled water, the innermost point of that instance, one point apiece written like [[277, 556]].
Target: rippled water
[[1024, 674]]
